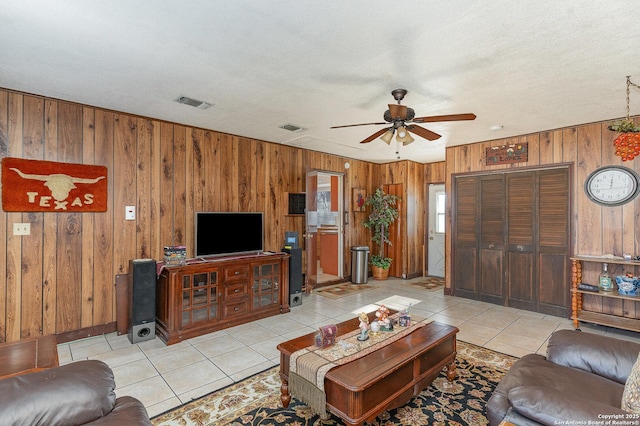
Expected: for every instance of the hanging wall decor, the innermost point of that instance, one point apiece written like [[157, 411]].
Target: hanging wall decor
[[506, 154], [47, 186], [359, 198], [627, 144]]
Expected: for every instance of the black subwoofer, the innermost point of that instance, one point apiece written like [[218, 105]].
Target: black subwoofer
[[142, 300]]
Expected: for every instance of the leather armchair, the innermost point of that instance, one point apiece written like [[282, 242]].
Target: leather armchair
[[581, 378], [80, 393]]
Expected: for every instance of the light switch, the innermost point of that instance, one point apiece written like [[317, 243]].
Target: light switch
[[130, 213]]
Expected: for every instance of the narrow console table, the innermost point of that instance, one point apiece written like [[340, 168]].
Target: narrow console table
[[208, 295], [386, 378], [610, 309]]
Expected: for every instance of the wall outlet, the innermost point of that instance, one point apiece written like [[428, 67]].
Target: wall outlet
[[21, 229]]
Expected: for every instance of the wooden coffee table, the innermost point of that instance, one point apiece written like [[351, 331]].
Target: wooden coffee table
[[384, 379]]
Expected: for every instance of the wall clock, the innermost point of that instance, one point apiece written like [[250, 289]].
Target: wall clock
[[612, 185]]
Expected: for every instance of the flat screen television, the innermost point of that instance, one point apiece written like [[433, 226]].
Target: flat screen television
[[227, 233]]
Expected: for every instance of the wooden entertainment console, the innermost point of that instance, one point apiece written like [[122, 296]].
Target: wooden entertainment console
[[211, 294]]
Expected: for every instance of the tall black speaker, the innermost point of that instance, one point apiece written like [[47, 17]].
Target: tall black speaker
[[295, 276], [142, 300]]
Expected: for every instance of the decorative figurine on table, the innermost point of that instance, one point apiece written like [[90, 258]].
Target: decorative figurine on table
[[405, 318], [364, 326], [382, 315]]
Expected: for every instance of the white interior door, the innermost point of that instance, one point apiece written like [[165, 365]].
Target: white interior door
[[435, 246]]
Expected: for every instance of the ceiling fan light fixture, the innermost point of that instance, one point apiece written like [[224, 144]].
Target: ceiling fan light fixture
[[402, 132], [405, 139], [387, 136]]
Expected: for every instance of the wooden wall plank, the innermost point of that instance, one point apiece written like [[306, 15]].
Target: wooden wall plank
[[103, 224], [49, 231], [166, 234], [124, 181], [588, 232], [32, 147], [199, 172], [144, 141], [69, 226], [4, 149], [88, 264], [181, 172], [14, 243], [155, 199]]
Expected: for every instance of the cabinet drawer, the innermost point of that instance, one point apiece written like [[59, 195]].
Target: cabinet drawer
[[235, 272], [234, 309], [235, 290]]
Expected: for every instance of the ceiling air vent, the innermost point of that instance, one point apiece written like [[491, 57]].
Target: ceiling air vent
[[192, 102], [292, 127]]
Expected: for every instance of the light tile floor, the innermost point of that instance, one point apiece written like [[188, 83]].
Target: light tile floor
[[164, 377]]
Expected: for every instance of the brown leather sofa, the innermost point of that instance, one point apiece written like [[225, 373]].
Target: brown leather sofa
[[78, 393], [580, 380]]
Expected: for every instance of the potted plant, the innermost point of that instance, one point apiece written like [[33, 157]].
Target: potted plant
[[383, 213]]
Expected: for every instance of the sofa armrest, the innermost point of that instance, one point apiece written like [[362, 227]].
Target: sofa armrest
[[128, 411], [550, 407], [605, 356], [75, 393]]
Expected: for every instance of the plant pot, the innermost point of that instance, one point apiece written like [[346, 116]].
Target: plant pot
[[379, 273]]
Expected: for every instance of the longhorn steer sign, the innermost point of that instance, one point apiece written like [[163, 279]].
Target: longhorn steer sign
[[23, 190]]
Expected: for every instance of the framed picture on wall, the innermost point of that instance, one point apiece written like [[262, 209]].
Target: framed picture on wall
[[359, 198]]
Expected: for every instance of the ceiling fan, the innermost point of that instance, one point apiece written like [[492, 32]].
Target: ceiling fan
[[403, 119]]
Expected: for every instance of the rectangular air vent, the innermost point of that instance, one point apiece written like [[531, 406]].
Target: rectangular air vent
[[192, 102], [292, 127]]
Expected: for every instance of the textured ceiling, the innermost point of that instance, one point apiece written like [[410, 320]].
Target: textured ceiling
[[527, 66]]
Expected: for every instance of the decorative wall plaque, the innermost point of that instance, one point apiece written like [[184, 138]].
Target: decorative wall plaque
[[47, 186], [506, 154]]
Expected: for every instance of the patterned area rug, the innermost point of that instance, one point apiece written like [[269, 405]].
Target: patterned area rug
[[430, 283], [256, 400], [341, 290]]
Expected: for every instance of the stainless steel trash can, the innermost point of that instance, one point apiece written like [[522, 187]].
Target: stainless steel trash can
[[359, 264]]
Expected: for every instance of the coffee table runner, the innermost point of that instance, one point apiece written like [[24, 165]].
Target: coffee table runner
[[308, 366]]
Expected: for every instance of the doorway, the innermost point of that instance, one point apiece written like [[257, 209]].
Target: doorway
[[435, 243], [324, 231]]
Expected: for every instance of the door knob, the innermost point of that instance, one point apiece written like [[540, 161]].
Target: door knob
[[431, 238]]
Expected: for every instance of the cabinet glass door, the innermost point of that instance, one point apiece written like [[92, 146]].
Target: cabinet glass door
[[199, 297], [266, 285]]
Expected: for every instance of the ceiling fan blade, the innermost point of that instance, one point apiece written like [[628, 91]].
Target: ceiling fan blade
[[354, 125], [423, 133], [374, 136], [398, 111], [450, 117]]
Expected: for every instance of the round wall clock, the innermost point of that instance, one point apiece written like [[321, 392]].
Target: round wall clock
[[612, 185]]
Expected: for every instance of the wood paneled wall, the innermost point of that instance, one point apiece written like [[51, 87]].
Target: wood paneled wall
[[61, 277], [596, 230]]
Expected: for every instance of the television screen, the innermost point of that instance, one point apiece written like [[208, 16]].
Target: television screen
[[224, 233]]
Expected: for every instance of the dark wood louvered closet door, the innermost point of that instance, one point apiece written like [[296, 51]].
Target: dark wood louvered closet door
[[465, 235], [491, 262], [511, 239]]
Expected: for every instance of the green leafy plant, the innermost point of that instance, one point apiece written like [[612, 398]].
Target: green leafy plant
[[383, 213], [380, 261], [624, 126]]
